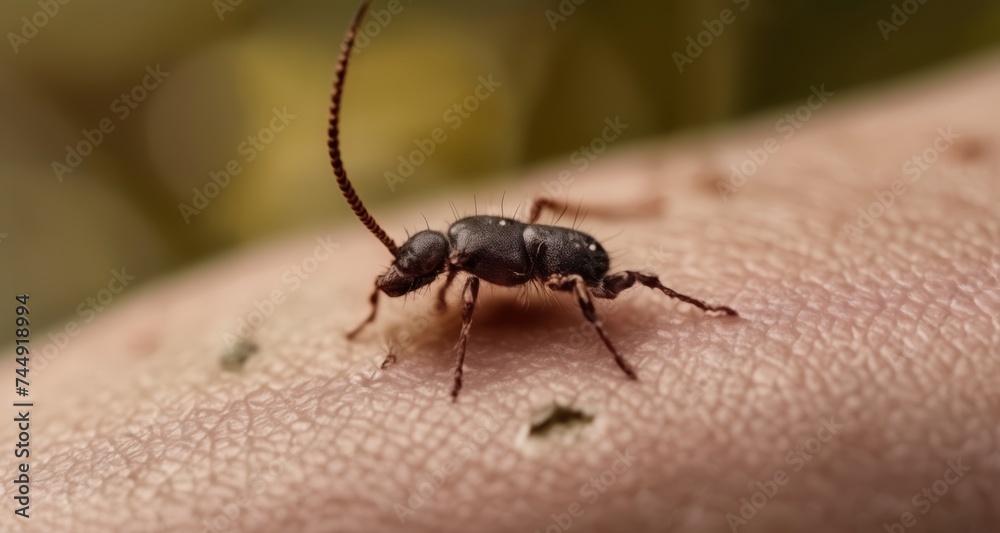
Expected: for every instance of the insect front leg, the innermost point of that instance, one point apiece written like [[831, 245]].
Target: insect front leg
[[469, 296], [371, 316], [575, 284], [614, 284]]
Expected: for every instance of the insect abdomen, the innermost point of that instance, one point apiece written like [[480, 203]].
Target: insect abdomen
[[565, 251]]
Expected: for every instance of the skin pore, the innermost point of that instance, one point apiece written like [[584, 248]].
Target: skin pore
[[858, 390]]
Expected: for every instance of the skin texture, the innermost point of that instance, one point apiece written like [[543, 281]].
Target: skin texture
[[856, 372]]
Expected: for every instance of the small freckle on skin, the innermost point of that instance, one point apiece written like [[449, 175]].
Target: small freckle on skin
[[970, 149], [144, 343]]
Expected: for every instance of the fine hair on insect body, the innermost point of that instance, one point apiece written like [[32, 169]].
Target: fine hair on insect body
[[494, 249]]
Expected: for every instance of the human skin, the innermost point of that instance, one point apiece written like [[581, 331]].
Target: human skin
[[857, 375]]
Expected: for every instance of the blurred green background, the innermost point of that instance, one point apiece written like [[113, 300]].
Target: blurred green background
[[228, 65]]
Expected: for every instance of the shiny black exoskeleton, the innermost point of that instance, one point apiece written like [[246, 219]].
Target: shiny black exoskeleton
[[498, 250]]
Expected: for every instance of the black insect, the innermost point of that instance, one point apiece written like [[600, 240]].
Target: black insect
[[497, 250]]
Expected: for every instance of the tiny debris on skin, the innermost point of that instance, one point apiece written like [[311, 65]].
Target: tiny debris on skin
[[558, 417], [235, 359]]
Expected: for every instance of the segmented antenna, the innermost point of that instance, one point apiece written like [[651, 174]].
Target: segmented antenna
[[333, 143]]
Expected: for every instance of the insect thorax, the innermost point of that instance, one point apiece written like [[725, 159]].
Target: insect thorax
[[491, 248], [508, 252]]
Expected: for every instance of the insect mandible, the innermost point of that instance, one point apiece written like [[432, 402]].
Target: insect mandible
[[495, 249]]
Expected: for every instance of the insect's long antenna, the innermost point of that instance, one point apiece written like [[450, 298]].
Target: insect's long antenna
[[333, 143]]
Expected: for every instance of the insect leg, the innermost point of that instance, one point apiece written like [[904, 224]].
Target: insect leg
[[442, 304], [371, 316], [469, 296], [612, 285], [579, 288], [543, 202], [652, 205]]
